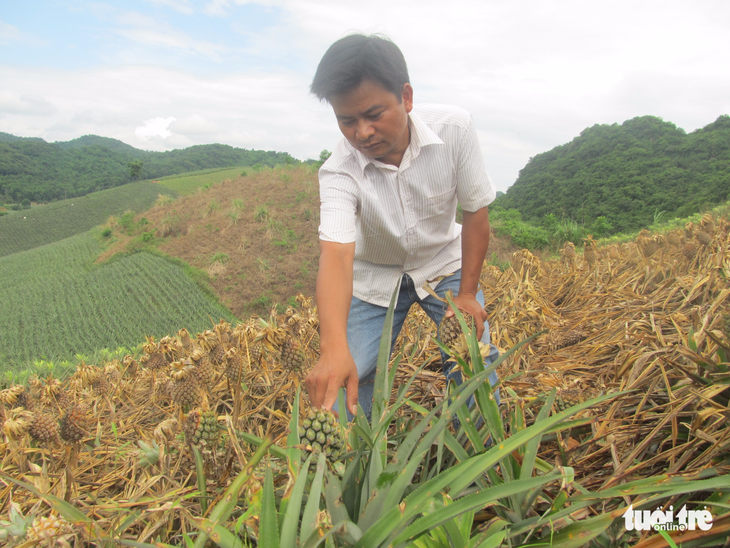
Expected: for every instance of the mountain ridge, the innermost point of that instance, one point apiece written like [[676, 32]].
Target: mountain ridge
[[34, 169]]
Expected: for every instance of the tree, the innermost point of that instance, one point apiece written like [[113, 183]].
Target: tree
[[323, 157], [135, 169], [25, 204]]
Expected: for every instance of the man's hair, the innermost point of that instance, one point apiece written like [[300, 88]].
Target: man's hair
[[355, 58]]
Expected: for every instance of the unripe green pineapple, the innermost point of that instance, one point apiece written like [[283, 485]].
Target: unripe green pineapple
[[321, 431], [201, 428]]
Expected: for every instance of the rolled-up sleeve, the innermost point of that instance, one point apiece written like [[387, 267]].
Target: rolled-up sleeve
[[474, 188], [338, 207]]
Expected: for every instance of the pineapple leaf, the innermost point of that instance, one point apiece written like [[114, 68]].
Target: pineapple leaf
[[309, 517], [268, 522], [294, 454], [68, 511], [531, 448], [333, 497], [291, 513], [458, 477], [202, 482], [381, 392], [218, 534], [223, 509]]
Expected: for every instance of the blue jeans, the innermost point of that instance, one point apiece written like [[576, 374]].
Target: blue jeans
[[365, 327]]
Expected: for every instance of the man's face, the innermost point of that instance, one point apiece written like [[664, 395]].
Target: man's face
[[375, 121]]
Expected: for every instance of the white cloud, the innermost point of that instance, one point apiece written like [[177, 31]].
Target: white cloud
[[195, 125], [25, 103], [533, 74], [153, 128], [10, 33], [144, 30], [182, 6]]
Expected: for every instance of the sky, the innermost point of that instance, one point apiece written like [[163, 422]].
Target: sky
[[165, 74]]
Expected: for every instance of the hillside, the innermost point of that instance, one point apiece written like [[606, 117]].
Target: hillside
[[256, 236], [45, 224], [55, 303], [628, 173], [36, 170]]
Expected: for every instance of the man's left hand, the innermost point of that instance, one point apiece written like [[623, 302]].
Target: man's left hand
[[468, 304]]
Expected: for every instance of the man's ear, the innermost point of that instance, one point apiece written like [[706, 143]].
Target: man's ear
[[407, 97]]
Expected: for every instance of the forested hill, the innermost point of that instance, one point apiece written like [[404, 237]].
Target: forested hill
[[40, 171], [627, 173]]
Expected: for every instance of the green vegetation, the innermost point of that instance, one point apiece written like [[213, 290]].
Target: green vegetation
[[625, 174], [192, 182], [54, 303], [42, 172], [49, 223]]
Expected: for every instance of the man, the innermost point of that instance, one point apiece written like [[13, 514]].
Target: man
[[389, 194]]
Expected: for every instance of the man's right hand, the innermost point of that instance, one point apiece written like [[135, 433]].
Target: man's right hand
[[332, 372]]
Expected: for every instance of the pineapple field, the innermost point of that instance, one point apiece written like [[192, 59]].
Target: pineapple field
[[614, 390], [55, 303], [45, 224]]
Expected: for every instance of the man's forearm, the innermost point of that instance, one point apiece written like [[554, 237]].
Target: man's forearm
[[334, 293], [474, 245]]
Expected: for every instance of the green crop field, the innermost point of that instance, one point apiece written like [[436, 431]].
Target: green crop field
[[49, 223], [191, 182], [54, 303]]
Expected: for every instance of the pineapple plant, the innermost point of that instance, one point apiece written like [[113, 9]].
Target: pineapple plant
[[44, 429], [73, 423], [185, 340], [153, 359], [690, 251], [255, 351], [203, 369], [449, 330], [590, 252], [292, 355], [568, 253], [674, 238], [235, 366], [185, 389], [201, 428], [210, 341], [703, 237], [130, 365], [569, 338], [320, 431], [50, 531]]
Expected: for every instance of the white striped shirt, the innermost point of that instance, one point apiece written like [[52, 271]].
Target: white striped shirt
[[402, 219]]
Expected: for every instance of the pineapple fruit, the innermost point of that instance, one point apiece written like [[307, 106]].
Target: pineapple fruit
[[201, 428], [185, 389], [72, 426], [321, 431], [44, 429], [292, 355]]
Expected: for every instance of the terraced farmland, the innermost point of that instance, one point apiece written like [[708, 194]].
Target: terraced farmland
[[49, 223], [55, 303]]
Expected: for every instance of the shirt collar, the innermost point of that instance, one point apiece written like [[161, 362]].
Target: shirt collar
[[421, 136]]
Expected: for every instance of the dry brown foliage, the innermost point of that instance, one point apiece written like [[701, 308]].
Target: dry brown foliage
[[654, 324]]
